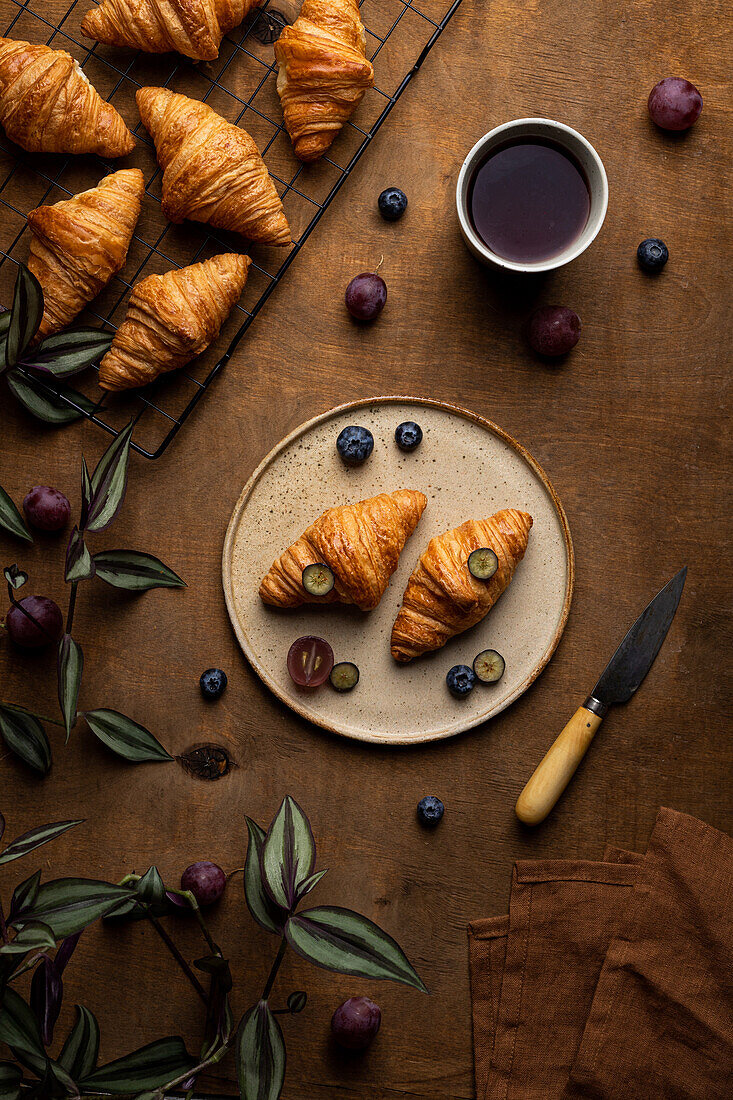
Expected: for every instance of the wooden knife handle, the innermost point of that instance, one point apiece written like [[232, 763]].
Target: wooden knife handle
[[556, 769]]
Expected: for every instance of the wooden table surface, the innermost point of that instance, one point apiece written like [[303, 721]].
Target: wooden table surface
[[633, 432]]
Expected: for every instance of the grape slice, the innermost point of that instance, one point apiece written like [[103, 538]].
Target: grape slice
[[482, 563], [344, 676], [489, 666], [318, 579], [310, 660]]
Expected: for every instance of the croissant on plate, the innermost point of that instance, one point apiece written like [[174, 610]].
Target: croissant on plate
[[442, 597], [47, 105], [157, 26], [78, 245], [361, 543], [212, 170], [171, 318], [323, 73]]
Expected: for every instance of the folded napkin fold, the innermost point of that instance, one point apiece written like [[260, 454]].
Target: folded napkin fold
[[611, 979]]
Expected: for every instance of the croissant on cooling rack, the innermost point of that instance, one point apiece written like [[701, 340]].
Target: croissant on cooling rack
[[360, 543], [171, 318], [47, 105], [77, 245], [323, 73], [157, 26], [442, 597], [212, 170]]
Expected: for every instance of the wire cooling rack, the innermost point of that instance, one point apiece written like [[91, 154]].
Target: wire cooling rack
[[240, 85]]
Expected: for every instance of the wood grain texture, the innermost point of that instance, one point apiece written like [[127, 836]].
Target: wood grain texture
[[633, 430]]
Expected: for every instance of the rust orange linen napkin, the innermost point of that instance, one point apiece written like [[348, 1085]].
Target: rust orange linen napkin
[[540, 1008]]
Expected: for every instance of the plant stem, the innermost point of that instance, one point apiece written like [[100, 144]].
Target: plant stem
[[275, 967], [3, 925], [178, 957], [33, 713], [213, 947], [72, 607]]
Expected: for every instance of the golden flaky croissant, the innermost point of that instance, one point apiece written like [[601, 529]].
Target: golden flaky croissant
[[442, 598], [47, 105], [171, 318], [323, 73], [212, 170], [78, 245], [194, 28], [361, 543]]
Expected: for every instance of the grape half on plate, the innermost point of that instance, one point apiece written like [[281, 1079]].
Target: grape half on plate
[[344, 676], [489, 666]]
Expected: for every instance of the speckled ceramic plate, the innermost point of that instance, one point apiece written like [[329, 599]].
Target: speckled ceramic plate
[[467, 467]]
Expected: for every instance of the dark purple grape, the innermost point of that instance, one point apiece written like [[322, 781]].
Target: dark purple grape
[[47, 509], [205, 880], [44, 628], [674, 103], [366, 295], [553, 330], [355, 1023]]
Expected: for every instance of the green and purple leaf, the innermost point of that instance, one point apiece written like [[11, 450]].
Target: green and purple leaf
[[68, 905], [310, 883], [152, 1065], [297, 1000], [288, 854], [24, 895], [135, 571], [47, 993], [125, 737], [260, 1055], [24, 735], [109, 481], [11, 520], [79, 562], [19, 1029], [80, 1051], [15, 577], [48, 404], [67, 353], [344, 941], [263, 909], [10, 1078], [34, 838], [86, 492], [25, 315], [70, 668], [34, 936]]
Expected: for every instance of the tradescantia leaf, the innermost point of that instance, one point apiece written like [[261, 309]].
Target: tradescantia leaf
[[297, 1000], [150, 888], [260, 1055], [68, 353], [47, 404], [109, 481], [11, 520], [310, 883], [218, 968], [25, 315], [47, 993], [19, 1029], [68, 905], [24, 895], [25, 736], [70, 668], [79, 562], [80, 1051], [10, 1078], [288, 853], [34, 838], [344, 941], [86, 492], [125, 737], [15, 577], [152, 1065], [135, 571], [34, 936], [263, 909]]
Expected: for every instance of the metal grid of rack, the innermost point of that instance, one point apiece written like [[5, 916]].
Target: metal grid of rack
[[240, 85]]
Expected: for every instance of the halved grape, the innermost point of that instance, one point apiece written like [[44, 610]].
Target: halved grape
[[310, 660], [318, 579], [344, 676], [482, 563], [489, 666]]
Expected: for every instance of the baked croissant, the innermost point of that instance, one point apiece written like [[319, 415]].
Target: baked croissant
[[361, 543], [171, 318], [442, 598], [77, 245], [47, 105], [212, 170], [157, 26], [323, 73]]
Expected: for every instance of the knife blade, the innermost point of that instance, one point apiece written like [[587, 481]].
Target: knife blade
[[619, 680]]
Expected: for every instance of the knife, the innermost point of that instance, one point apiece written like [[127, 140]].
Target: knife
[[620, 679]]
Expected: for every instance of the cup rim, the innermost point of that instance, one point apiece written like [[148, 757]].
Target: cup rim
[[600, 195]]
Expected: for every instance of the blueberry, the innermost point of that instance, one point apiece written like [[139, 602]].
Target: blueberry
[[652, 254], [392, 204], [430, 810], [213, 682], [460, 680], [354, 445], [408, 435]]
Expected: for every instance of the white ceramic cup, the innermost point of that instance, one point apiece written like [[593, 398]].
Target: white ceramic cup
[[566, 138]]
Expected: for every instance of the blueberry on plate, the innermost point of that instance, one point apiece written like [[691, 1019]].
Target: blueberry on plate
[[354, 445], [489, 666], [482, 563], [392, 204], [318, 579], [344, 676], [430, 810], [213, 682], [652, 254], [408, 435], [460, 680]]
